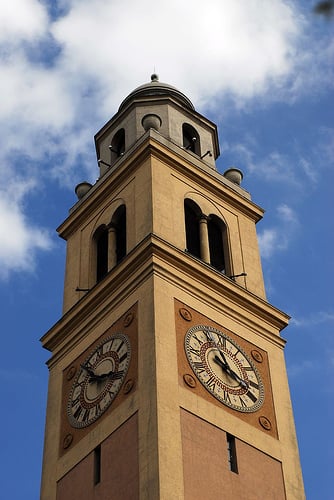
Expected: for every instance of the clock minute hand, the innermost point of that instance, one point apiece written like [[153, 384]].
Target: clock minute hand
[[223, 356], [210, 337], [230, 372], [223, 365]]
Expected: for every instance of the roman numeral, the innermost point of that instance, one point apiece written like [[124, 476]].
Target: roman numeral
[[84, 415], [75, 401], [200, 341], [227, 397], [107, 346], [211, 383], [193, 350], [242, 402], [120, 346], [236, 352], [122, 358], [77, 412], [209, 335], [221, 342], [118, 375], [75, 405], [199, 366]]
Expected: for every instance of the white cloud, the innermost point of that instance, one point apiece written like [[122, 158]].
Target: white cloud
[[244, 49], [22, 20], [36, 96], [269, 242], [19, 238], [287, 214], [292, 168], [309, 170], [314, 319], [63, 77], [274, 167], [278, 238]]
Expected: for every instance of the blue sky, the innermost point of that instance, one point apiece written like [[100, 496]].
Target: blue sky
[[263, 71]]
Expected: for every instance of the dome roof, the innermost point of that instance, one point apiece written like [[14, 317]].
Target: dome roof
[[156, 88]]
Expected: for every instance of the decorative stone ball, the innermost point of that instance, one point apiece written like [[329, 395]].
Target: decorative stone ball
[[82, 188], [151, 121], [234, 175]]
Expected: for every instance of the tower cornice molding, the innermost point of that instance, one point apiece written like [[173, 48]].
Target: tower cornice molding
[[154, 146], [154, 257]]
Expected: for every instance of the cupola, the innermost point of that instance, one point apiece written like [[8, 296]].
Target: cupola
[[164, 108]]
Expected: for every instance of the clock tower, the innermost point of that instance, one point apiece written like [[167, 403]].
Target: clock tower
[[167, 377]]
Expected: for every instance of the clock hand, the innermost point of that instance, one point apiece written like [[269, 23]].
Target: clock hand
[[210, 337], [88, 370], [240, 380], [223, 365], [223, 356], [92, 375], [230, 372], [103, 376], [111, 374]]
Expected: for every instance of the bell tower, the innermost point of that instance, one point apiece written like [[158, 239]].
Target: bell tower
[[167, 377]]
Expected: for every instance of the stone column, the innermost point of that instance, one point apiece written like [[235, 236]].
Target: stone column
[[112, 255], [204, 238]]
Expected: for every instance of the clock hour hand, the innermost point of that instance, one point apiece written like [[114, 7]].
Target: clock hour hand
[[92, 375], [88, 370], [221, 363], [230, 372], [210, 337], [103, 376], [111, 374]]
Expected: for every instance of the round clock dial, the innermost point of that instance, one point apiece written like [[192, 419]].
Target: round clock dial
[[99, 380], [224, 369]]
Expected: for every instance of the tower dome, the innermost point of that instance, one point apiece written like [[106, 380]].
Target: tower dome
[[157, 89]]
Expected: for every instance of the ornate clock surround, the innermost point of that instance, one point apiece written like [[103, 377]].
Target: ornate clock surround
[[187, 318], [126, 325]]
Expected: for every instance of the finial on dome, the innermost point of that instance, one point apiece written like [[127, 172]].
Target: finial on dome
[[154, 77]]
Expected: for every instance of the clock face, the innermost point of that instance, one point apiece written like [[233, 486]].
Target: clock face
[[224, 369], [99, 380]]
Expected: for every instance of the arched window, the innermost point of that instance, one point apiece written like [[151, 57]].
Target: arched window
[[110, 243], [101, 242], [191, 141], [192, 213], [206, 236], [117, 146], [217, 236]]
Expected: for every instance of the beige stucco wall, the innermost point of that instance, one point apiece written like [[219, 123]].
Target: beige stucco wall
[[153, 182]]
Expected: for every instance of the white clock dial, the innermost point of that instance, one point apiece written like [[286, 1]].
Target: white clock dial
[[99, 380], [224, 369]]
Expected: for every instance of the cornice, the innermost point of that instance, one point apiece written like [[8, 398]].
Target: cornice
[[153, 145], [212, 285], [206, 178], [154, 257], [154, 102]]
